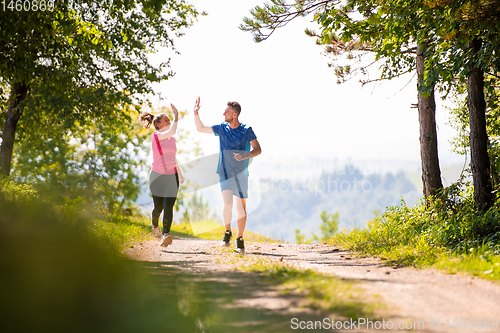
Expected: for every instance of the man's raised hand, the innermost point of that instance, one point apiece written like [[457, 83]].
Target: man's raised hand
[[197, 106]]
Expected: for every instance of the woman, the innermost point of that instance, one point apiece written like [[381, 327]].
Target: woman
[[165, 173]]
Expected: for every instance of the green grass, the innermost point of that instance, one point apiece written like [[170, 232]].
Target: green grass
[[210, 229], [122, 231], [322, 292], [448, 234], [417, 252], [481, 263]]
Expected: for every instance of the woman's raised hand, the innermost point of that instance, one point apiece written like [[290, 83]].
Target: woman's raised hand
[[175, 112]]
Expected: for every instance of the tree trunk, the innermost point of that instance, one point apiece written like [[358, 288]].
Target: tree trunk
[[431, 173], [18, 92], [480, 164]]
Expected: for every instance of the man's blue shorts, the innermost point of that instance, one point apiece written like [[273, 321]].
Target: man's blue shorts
[[238, 184]]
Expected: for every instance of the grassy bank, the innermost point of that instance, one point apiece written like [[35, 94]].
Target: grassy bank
[[122, 231], [448, 234]]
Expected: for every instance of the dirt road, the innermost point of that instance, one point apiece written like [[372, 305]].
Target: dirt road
[[425, 300]]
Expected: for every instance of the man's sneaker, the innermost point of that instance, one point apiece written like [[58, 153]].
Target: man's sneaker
[[166, 240], [227, 238], [156, 231], [240, 245]]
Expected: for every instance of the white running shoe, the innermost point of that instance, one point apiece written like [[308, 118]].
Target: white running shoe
[[166, 240], [156, 231]]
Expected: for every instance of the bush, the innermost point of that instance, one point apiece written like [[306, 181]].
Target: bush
[[447, 224]]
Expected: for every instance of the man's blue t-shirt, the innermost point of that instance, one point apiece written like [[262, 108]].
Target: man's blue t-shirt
[[233, 141]]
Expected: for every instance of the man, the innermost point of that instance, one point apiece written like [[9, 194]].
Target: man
[[235, 140]]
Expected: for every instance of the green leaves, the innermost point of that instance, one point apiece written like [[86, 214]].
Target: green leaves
[[100, 163], [84, 58], [109, 43], [267, 18]]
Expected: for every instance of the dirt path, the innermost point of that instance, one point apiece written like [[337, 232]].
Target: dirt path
[[411, 295]]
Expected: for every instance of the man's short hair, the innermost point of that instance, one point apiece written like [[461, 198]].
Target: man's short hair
[[236, 106]]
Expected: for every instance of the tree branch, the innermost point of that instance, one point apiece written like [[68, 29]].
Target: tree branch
[[498, 77], [384, 78], [279, 20]]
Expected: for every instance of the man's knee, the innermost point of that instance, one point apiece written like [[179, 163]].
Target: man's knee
[[241, 212], [241, 207], [228, 205]]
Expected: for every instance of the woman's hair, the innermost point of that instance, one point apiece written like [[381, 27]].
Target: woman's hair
[[146, 119]]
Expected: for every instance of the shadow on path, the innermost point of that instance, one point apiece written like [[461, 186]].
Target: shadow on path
[[228, 301]]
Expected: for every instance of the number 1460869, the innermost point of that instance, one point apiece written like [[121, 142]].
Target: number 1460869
[[472, 323], [26, 5]]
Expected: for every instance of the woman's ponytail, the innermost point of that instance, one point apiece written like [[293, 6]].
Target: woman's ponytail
[[146, 119]]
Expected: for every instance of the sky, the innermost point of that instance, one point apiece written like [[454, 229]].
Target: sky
[[288, 94]]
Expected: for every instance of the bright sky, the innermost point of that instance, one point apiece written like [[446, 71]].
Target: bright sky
[[289, 95]]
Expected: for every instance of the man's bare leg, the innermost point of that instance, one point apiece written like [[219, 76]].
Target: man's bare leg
[[227, 212], [241, 209]]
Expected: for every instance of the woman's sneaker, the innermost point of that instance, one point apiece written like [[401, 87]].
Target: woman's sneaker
[[156, 231], [166, 240], [227, 238], [240, 245]]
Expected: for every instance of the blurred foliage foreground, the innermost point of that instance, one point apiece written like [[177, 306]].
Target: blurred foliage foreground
[[60, 271], [56, 276]]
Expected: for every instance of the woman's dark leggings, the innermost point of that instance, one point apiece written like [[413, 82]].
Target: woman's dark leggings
[[165, 204]]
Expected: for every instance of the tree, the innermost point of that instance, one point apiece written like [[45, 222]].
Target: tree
[[460, 120], [99, 163], [299, 238], [198, 210], [81, 59], [480, 164], [392, 30], [431, 173], [467, 43], [463, 40], [329, 225]]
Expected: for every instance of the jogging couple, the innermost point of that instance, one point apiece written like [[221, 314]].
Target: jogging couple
[[238, 143]]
